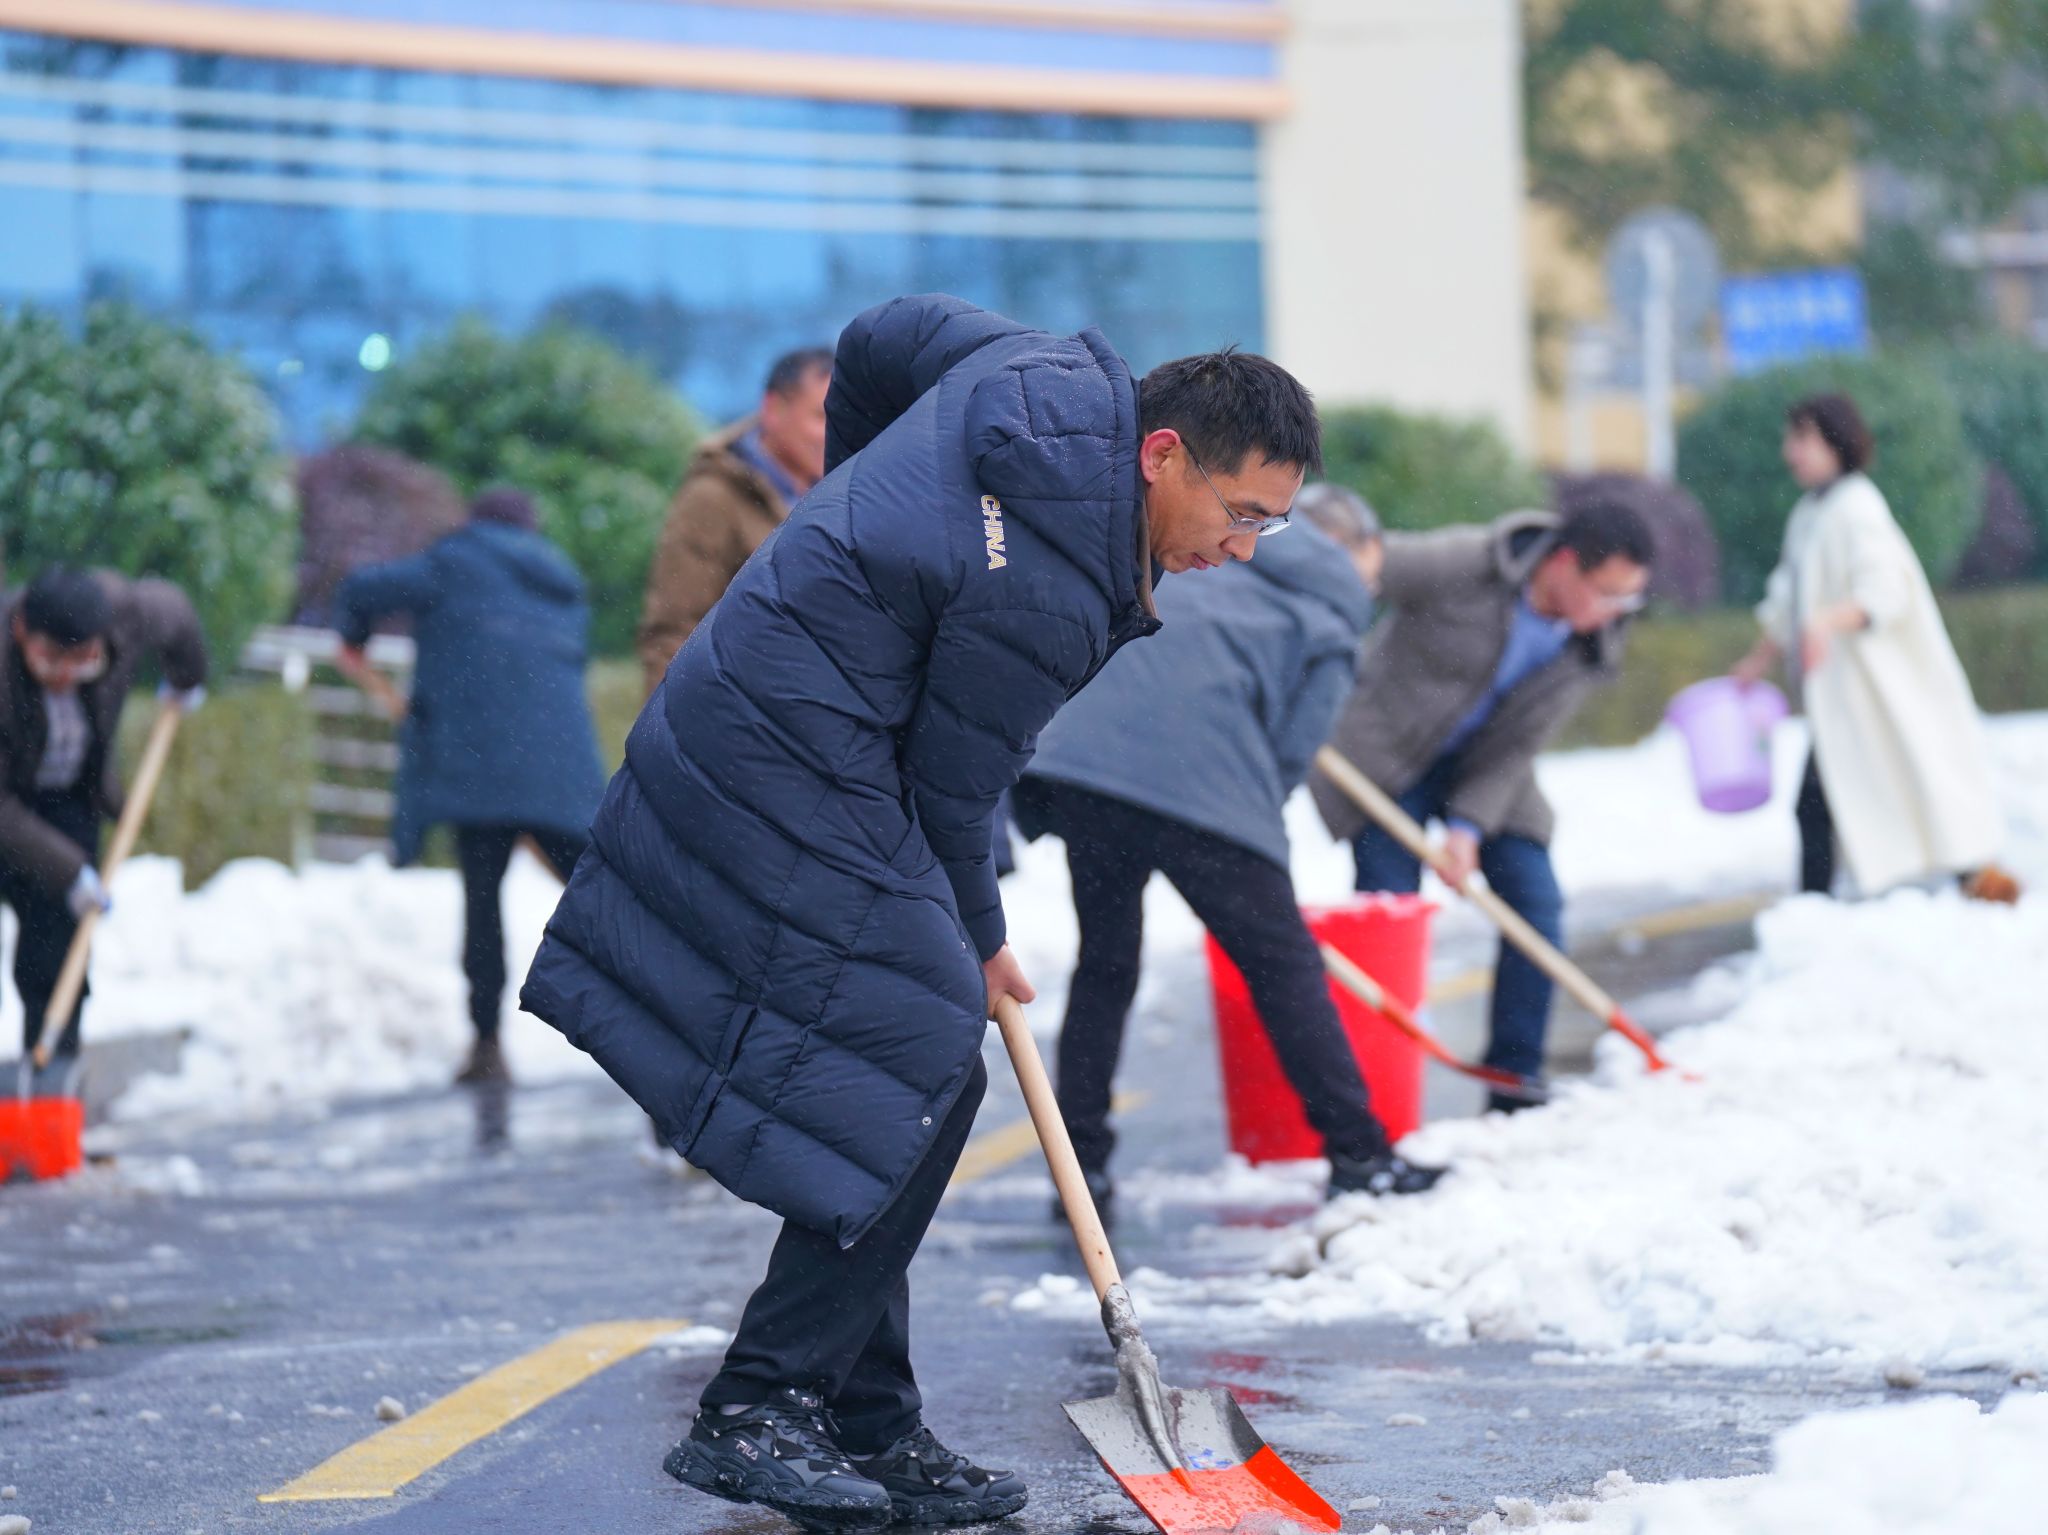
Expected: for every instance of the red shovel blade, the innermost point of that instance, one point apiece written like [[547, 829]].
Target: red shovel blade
[[1230, 1479]]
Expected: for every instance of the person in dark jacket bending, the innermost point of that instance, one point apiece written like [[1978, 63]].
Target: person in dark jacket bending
[[69, 652], [1181, 759], [497, 739], [786, 939]]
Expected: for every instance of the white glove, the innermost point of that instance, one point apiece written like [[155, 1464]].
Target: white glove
[[188, 700], [87, 893]]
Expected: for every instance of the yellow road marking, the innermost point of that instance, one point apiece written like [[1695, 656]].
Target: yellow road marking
[[1456, 988], [381, 1464], [1663, 924], [997, 1149], [1690, 919]]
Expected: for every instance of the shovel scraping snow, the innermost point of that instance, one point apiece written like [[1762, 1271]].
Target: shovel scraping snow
[[42, 1129], [1187, 1458]]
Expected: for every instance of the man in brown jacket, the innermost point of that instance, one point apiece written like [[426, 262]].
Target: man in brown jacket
[[1491, 638], [69, 653], [739, 490]]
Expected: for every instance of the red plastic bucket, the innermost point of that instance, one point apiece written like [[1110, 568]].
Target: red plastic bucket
[[41, 1137], [1388, 936]]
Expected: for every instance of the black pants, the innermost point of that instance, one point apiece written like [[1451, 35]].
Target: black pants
[[837, 1319], [1247, 903], [44, 919], [1816, 833], [484, 853]]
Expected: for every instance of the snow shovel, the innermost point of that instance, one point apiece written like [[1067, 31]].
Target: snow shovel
[[41, 1134], [1187, 1458], [1346, 972], [1542, 953]]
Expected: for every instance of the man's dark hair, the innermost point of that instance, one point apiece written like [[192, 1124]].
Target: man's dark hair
[[792, 368], [1228, 405], [1841, 427], [1602, 530], [66, 605], [506, 505]]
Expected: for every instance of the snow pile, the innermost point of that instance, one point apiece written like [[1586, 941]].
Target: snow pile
[[305, 987], [1858, 1174], [1926, 1468]]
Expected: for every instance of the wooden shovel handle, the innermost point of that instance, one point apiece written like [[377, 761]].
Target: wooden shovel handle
[[1542, 953], [1059, 1148], [384, 693], [71, 979], [1347, 973]]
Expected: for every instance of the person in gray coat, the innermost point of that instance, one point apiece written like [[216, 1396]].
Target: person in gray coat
[[1180, 759]]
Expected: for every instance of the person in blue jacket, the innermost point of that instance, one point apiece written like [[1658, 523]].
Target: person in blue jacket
[[786, 939], [1181, 760], [497, 739]]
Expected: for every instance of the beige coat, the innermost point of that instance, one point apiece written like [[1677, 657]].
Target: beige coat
[[1897, 739], [1447, 601], [724, 512]]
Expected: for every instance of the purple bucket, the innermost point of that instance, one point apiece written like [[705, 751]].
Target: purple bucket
[[1727, 730]]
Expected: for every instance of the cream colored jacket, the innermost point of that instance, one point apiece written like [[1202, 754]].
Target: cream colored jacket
[[1900, 747]]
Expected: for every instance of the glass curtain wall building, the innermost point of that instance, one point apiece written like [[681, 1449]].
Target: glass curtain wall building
[[320, 215]]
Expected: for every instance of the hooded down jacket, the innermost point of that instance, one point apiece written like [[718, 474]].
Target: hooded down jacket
[[775, 942], [498, 730]]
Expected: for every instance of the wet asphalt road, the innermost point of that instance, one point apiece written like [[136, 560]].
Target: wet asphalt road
[[178, 1338]]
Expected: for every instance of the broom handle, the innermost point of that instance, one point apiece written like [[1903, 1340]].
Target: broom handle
[[1542, 953], [1059, 1148], [71, 979]]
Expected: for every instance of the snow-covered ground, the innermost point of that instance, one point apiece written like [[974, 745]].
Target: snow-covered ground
[[1936, 1467], [1856, 1177], [303, 987]]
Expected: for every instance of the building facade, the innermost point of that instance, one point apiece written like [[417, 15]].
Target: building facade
[[322, 184]]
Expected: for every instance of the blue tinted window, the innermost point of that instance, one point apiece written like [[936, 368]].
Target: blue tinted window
[[292, 210]]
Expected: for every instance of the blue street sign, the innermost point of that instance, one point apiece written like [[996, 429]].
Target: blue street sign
[[1774, 317]]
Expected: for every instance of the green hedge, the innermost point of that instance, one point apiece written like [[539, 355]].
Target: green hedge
[[235, 779], [615, 698], [2002, 390], [133, 445], [1729, 456], [592, 436], [1424, 471]]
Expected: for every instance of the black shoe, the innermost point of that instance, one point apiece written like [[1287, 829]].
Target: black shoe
[[1387, 1173], [781, 1455], [1100, 1189], [929, 1484]]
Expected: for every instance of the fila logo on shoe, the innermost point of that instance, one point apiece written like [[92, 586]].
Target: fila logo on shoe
[[992, 532]]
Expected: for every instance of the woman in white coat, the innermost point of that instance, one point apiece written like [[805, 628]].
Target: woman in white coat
[[1899, 782]]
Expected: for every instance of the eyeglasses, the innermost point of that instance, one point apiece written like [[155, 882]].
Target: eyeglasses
[[1262, 526]]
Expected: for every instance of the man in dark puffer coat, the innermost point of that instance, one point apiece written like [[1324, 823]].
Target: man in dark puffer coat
[[786, 938]]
